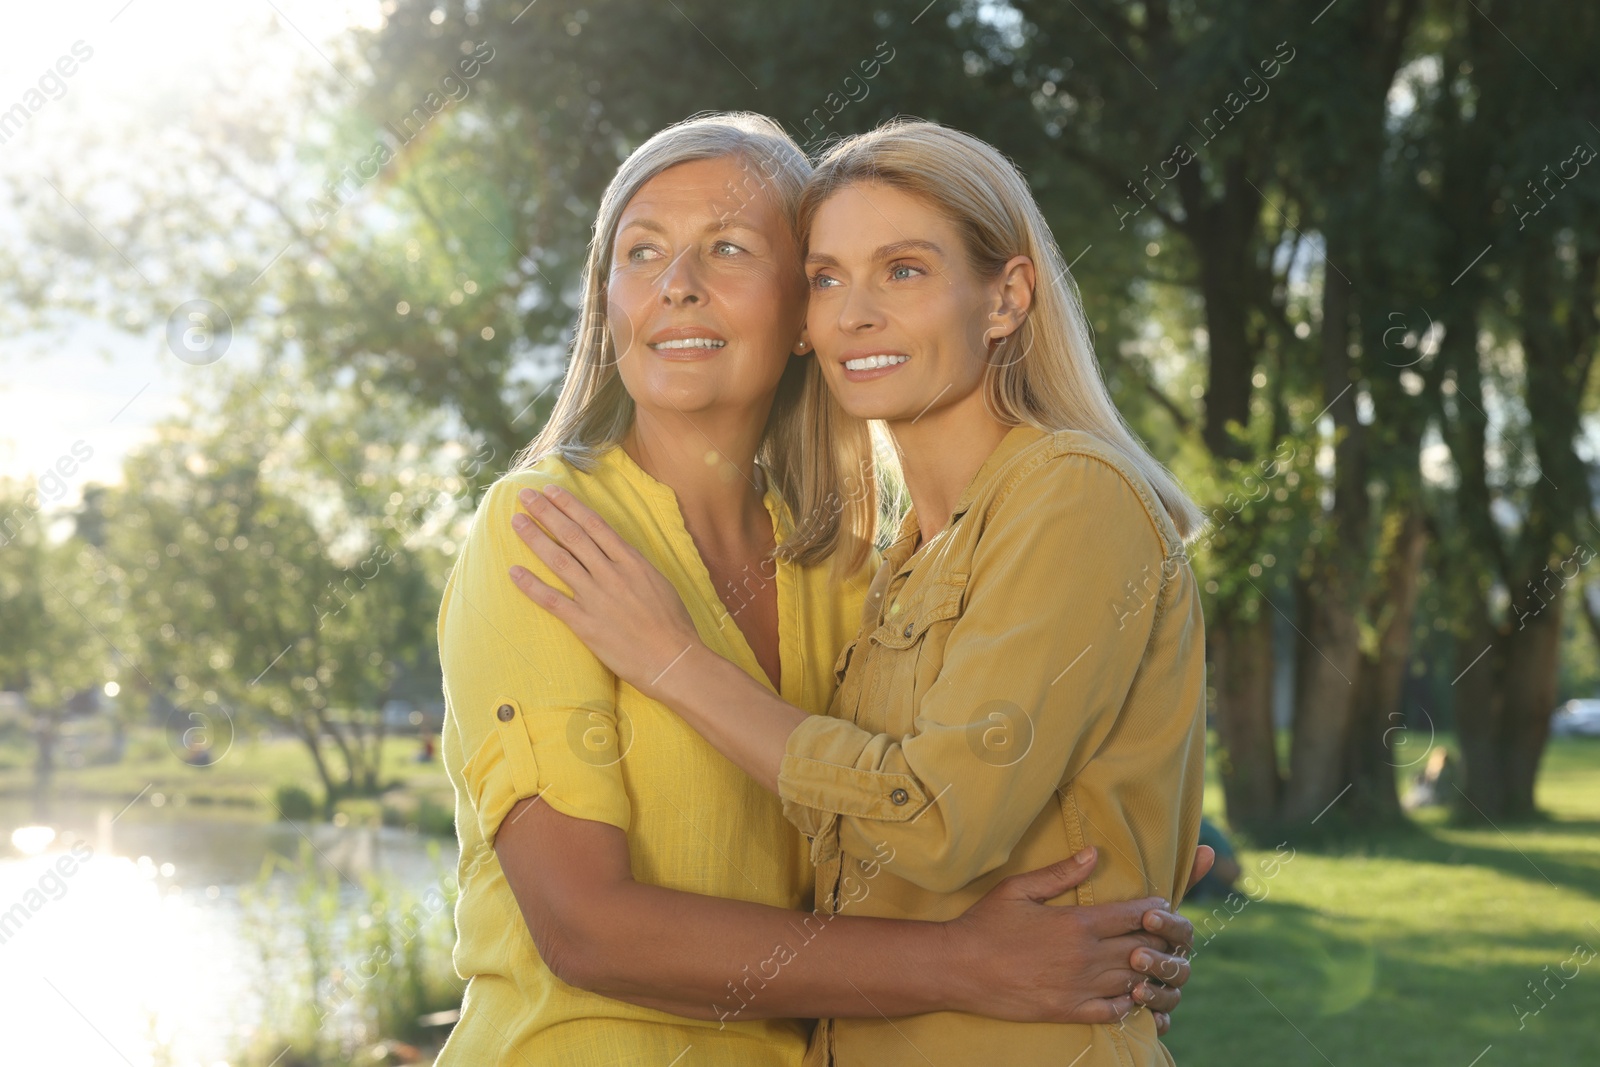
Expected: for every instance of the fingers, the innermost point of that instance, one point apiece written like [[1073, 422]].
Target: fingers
[[547, 597], [1157, 997], [1049, 882], [1121, 917], [1204, 857], [561, 562], [1177, 931], [560, 530], [1165, 967], [1107, 1011], [1113, 1010], [598, 530]]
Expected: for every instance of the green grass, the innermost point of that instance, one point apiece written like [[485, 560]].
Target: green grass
[[1403, 947], [241, 783], [1411, 948]]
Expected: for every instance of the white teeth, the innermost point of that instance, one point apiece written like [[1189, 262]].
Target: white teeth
[[873, 362], [689, 342]]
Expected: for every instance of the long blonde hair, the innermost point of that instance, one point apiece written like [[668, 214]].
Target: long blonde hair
[[1045, 374], [819, 457]]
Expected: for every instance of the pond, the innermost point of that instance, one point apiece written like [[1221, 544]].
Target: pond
[[128, 942]]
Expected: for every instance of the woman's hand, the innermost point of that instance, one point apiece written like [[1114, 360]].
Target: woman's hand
[[628, 614], [1156, 922], [1033, 962]]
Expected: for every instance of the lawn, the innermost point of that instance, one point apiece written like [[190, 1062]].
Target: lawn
[[241, 783], [1414, 948]]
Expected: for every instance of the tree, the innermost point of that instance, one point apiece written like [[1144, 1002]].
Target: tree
[[50, 648], [293, 552]]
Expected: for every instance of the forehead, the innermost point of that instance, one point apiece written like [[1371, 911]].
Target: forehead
[[726, 190], [864, 216]]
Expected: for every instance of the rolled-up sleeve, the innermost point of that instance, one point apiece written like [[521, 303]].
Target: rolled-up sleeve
[[1064, 588], [535, 710]]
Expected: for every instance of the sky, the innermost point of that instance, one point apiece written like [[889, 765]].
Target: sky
[[89, 386]]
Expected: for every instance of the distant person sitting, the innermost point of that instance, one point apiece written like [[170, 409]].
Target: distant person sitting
[[1433, 784], [425, 754], [1218, 882]]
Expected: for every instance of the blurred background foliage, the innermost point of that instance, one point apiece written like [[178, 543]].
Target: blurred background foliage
[[1341, 274], [1341, 263]]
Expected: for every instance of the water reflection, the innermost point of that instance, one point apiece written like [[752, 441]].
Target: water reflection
[[123, 942]]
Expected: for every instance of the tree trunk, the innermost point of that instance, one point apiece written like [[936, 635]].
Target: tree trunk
[[1325, 696], [1326, 686], [1241, 664], [1528, 697], [312, 738], [1380, 741], [1479, 702], [1222, 233]]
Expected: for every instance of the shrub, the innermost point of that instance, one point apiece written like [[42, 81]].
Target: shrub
[[294, 802]]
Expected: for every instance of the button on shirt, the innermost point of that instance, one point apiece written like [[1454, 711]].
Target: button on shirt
[[1029, 682]]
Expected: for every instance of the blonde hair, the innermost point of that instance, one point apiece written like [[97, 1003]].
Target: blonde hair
[[1055, 383], [819, 458]]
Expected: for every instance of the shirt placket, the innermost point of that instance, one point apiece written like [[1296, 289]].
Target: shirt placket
[[827, 854]]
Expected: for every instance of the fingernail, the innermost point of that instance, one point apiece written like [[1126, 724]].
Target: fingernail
[[1143, 959], [519, 520], [527, 496], [552, 491], [1084, 856], [518, 572]]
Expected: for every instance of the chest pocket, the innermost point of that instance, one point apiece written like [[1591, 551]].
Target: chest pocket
[[907, 653]]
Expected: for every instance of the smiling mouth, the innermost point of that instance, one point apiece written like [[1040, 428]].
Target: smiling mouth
[[680, 344], [874, 362]]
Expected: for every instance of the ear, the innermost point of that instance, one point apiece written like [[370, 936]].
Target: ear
[[1013, 298]]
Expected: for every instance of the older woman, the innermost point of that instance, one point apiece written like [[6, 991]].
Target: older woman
[[628, 895], [1030, 676]]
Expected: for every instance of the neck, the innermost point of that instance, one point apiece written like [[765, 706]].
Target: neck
[[940, 452], [709, 463]]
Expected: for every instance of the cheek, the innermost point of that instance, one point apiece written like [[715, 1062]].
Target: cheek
[[628, 303], [761, 305], [620, 324]]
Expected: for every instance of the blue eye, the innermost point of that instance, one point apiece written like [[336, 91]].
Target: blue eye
[[822, 281], [901, 272], [726, 244], [638, 253]]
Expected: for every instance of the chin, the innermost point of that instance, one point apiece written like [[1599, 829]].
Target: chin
[[683, 397], [865, 401]]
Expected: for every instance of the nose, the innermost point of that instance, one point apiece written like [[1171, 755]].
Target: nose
[[681, 285], [858, 312]]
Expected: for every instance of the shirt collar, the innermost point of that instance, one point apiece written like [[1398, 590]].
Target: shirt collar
[[904, 544], [1015, 440], [618, 459]]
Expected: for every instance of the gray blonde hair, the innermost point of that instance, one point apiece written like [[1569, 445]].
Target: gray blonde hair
[[1054, 383], [820, 458]]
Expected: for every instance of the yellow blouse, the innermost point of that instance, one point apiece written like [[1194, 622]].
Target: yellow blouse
[[1030, 681], [530, 710]]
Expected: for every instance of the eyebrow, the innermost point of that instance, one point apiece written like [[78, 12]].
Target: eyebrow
[[716, 226], [889, 251]]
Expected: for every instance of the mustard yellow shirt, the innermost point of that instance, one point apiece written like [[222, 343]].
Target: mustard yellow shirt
[[530, 711], [1028, 682]]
